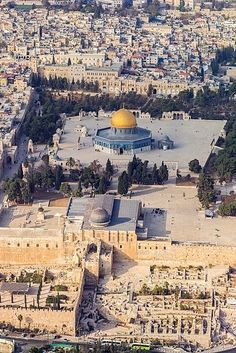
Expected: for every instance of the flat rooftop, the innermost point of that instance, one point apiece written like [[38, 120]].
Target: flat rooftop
[[25, 217], [192, 139], [123, 213], [185, 221]]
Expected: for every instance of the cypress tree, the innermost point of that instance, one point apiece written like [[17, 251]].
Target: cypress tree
[[109, 168], [123, 184], [163, 172], [130, 172], [20, 172], [102, 187], [58, 176], [155, 174]]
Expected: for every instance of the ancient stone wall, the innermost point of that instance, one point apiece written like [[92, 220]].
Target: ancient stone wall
[[34, 254], [46, 250], [186, 254], [78, 301], [31, 251], [164, 251], [60, 321]]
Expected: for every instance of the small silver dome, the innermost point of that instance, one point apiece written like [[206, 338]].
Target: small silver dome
[[99, 217]]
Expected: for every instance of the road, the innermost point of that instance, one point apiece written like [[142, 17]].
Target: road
[[24, 344], [12, 169]]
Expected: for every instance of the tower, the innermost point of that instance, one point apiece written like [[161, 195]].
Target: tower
[[30, 148]]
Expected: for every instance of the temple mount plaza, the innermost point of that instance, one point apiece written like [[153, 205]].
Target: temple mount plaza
[[120, 135]]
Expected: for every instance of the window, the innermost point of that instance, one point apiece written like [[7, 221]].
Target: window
[[121, 246], [37, 245], [47, 245], [27, 245]]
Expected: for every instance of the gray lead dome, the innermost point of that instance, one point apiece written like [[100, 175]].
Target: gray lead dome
[[99, 217]]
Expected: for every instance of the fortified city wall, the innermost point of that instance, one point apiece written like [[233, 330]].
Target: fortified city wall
[[61, 321], [44, 249], [186, 254], [34, 246], [164, 251]]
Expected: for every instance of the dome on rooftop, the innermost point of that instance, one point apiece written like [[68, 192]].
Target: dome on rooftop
[[99, 217], [123, 119]]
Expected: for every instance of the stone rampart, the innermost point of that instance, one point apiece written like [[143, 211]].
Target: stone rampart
[[60, 321], [186, 253]]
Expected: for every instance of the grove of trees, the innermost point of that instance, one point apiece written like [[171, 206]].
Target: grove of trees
[[61, 83], [138, 172], [21, 188]]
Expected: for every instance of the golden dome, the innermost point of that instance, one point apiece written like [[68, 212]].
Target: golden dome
[[123, 119]]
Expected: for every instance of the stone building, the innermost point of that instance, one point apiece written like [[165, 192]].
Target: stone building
[[110, 79], [175, 115], [165, 143]]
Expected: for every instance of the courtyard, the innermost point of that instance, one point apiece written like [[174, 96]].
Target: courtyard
[[192, 139], [185, 221]]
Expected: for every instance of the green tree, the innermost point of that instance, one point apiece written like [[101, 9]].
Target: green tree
[[59, 176], [155, 175], [194, 166], [145, 290], [45, 158], [65, 189], [214, 67], [227, 209], [70, 162], [109, 168], [206, 193], [163, 172], [20, 319], [37, 178], [102, 187], [13, 188], [80, 186], [144, 179], [20, 172], [25, 192], [130, 170], [47, 177], [123, 183]]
